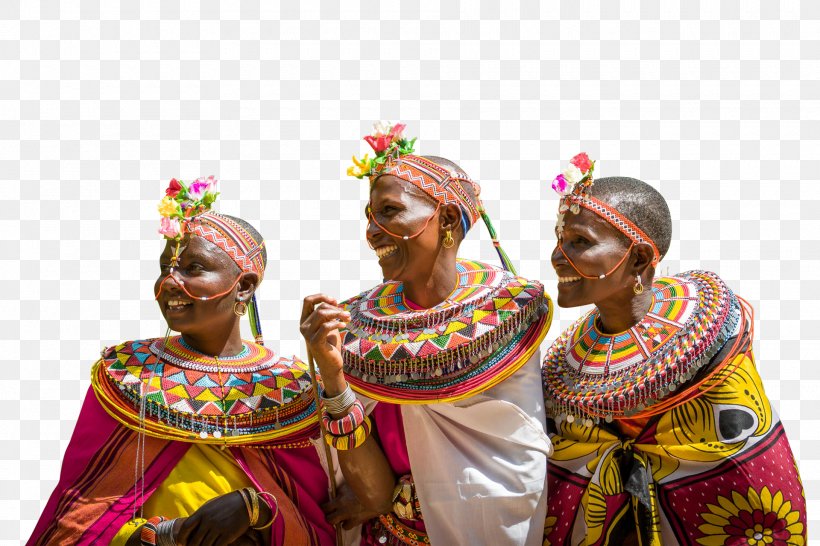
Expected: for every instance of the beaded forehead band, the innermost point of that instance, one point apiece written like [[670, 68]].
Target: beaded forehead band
[[394, 156], [574, 186], [186, 209]]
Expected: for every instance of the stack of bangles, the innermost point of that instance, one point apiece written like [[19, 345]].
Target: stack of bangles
[[352, 429], [251, 497], [159, 531]]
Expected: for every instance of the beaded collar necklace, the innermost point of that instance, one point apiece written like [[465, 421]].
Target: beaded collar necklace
[[589, 375], [254, 395], [390, 343], [250, 359]]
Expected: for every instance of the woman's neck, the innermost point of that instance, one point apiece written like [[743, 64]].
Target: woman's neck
[[431, 289], [215, 343], [618, 314]]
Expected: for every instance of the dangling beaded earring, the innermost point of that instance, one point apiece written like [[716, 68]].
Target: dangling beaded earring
[[448, 241], [240, 308], [638, 288]]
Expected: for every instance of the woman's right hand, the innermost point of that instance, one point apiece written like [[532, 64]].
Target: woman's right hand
[[320, 323], [346, 509]]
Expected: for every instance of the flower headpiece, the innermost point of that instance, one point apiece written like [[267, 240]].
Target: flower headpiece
[[184, 201], [394, 156], [186, 208], [387, 142], [574, 186]]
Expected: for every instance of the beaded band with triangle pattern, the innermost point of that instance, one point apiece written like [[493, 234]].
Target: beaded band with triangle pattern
[[254, 396], [589, 375], [483, 332]]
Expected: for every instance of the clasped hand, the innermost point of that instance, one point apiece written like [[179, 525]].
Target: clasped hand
[[222, 521], [320, 323]]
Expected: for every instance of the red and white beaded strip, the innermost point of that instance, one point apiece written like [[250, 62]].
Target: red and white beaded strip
[[619, 221]]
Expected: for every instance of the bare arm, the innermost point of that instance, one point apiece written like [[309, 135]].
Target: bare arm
[[365, 468]]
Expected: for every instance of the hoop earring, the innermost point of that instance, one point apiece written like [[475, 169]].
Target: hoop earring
[[240, 308], [638, 288], [448, 241]]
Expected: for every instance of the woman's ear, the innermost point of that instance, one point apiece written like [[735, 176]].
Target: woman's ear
[[247, 286], [642, 255], [450, 217]]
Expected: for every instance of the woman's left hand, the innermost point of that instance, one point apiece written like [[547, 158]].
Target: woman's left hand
[[218, 522]]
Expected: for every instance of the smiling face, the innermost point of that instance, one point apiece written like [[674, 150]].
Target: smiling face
[[402, 209], [595, 247], [205, 270]]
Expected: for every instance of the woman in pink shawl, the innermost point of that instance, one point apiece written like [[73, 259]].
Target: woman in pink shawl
[[201, 438]]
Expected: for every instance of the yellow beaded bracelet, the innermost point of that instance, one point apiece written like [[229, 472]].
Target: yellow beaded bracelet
[[352, 440]]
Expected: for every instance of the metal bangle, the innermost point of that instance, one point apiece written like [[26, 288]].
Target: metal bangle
[[275, 502], [165, 533], [244, 495], [254, 519], [341, 403]]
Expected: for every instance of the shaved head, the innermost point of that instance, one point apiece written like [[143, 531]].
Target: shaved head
[[640, 203]]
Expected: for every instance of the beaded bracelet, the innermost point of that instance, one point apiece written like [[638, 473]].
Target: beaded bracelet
[[344, 426], [261, 495], [148, 534], [352, 440], [339, 404]]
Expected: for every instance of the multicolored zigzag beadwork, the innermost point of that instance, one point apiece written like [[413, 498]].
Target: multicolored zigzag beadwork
[[390, 343]]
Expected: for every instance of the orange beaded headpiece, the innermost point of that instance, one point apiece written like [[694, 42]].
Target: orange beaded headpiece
[[574, 185], [394, 156], [186, 209]]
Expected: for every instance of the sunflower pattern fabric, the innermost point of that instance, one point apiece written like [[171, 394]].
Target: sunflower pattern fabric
[[715, 468]]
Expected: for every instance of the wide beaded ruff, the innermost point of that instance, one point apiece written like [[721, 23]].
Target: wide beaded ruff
[[252, 397], [482, 333], [589, 375]]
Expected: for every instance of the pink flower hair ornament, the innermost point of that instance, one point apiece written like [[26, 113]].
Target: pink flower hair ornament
[[387, 141], [577, 175], [574, 186], [184, 201], [181, 203]]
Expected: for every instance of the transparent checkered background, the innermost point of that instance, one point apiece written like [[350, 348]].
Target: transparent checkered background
[[101, 102]]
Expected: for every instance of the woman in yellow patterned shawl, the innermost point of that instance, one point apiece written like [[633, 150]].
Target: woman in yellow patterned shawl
[[662, 431]]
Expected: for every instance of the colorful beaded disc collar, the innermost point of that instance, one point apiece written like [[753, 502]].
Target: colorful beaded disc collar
[[483, 332], [589, 375], [254, 396]]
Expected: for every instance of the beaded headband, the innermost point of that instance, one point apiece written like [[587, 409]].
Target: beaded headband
[[186, 208], [394, 156], [232, 238], [575, 184]]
